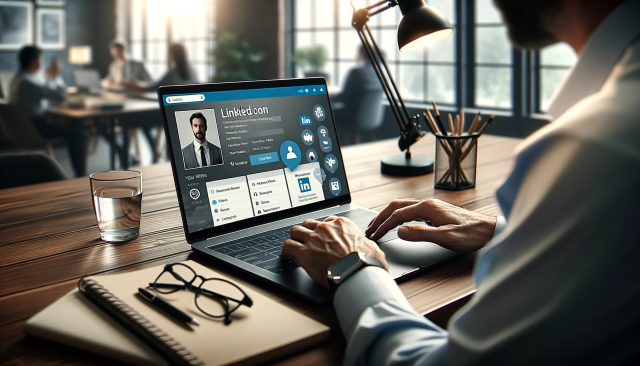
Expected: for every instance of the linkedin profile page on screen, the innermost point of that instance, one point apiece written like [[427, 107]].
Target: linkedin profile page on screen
[[276, 153]]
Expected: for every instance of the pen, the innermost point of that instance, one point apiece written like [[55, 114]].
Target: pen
[[172, 310]]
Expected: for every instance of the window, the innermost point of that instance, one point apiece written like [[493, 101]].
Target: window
[[150, 26], [476, 67], [420, 75], [493, 58], [554, 62]]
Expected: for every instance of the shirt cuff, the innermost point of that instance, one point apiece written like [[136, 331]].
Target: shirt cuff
[[501, 222], [367, 287]]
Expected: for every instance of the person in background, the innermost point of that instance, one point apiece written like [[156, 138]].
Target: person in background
[[361, 97], [122, 68], [30, 91], [557, 278], [180, 72]]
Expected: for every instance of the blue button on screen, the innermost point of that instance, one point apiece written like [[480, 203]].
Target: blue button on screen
[[270, 157]]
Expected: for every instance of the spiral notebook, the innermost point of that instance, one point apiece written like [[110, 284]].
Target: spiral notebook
[[265, 332]]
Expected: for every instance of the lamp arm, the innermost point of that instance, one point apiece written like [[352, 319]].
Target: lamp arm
[[409, 126]]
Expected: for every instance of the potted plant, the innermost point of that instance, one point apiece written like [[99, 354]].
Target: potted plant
[[312, 60], [234, 58]]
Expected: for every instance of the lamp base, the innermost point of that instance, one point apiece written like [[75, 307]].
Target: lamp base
[[399, 165]]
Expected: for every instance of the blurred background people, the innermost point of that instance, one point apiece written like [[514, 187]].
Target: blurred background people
[[32, 91], [358, 108], [123, 68], [180, 72]]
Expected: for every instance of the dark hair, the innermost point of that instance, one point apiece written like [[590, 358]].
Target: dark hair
[[198, 115], [27, 55], [119, 44], [179, 55]]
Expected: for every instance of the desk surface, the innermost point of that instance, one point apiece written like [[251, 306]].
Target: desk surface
[[129, 106], [50, 239]]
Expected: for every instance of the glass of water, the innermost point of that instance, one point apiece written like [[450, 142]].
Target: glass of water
[[117, 199]]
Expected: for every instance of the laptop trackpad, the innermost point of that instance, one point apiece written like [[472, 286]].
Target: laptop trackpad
[[406, 256]]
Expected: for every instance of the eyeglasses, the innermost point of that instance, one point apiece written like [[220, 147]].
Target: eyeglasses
[[215, 297]]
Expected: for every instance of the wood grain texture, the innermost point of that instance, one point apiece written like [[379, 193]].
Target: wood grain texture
[[47, 245]]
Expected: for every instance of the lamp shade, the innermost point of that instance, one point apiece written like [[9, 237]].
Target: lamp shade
[[80, 55], [420, 24]]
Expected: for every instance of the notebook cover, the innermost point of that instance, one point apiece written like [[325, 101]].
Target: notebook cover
[[73, 320]]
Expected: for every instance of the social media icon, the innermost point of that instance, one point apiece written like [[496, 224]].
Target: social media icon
[[215, 211], [307, 137], [319, 174], [305, 120], [312, 156], [321, 89], [306, 90], [213, 191], [168, 100], [259, 212], [194, 193], [314, 89], [304, 184], [290, 154], [323, 132], [214, 202], [217, 220], [334, 186], [331, 163], [318, 112]]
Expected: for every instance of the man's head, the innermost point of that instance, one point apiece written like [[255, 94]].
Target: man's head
[[199, 126], [118, 50], [29, 59], [539, 23]]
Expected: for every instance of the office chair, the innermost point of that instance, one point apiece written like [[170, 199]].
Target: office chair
[[359, 113], [16, 127], [41, 169]]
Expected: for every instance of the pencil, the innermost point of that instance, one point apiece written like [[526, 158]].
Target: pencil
[[474, 124], [461, 123], [438, 119], [450, 124], [486, 124], [457, 125]]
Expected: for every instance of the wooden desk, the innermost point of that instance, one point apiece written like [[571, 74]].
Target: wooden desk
[[49, 239], [133, 114]]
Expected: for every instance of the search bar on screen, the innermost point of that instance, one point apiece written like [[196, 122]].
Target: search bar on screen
[[185, 98]]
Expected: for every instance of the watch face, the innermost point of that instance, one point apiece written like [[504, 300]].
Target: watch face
[[345, 266]]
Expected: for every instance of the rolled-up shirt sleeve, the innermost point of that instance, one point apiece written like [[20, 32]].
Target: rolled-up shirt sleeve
[[381, 327]]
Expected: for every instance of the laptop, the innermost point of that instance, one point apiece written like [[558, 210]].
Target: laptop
[[267, 157], [88, 79]]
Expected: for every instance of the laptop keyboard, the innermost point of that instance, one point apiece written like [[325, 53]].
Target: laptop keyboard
[[263, 250]]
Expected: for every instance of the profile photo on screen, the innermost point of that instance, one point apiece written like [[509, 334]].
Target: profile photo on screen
[[199, 139]]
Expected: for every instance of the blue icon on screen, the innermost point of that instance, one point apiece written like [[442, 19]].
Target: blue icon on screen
[[305, 120], [213, 191], [304, 184], [214, 202], [290, 154]]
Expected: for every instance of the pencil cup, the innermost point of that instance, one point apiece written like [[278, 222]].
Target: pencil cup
[[456, 161]]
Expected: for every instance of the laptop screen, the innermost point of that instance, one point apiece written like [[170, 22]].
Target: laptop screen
[[253, 155]]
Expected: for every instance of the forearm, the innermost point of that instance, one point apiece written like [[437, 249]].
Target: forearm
[[381, 327]]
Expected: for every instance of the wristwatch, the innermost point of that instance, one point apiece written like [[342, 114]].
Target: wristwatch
[[353, 262]]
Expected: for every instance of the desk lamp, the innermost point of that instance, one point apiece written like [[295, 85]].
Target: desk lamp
[[80, 55], [420, 24]]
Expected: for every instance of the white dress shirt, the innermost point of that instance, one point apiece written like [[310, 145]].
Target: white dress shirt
[[196, 148], [561, 283]]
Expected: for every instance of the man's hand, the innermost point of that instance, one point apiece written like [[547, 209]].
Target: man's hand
[[54, 69], [319, 245], [455, 228]]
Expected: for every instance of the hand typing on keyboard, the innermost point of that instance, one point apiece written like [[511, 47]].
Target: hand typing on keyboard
[[319, 245]]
